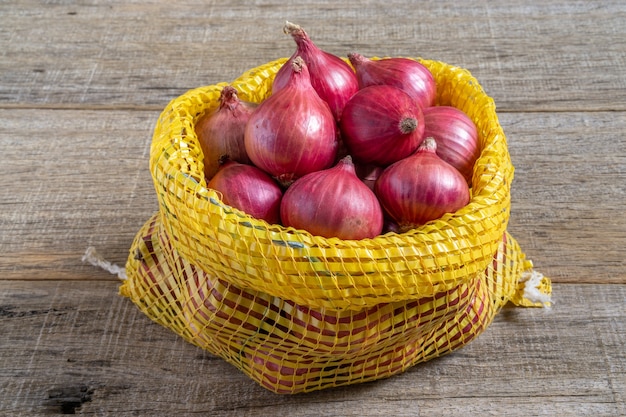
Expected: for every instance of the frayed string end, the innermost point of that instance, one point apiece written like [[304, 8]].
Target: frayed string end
[[94, 258], [536, 288]]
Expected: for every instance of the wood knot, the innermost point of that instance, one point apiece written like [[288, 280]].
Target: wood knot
[[67, 399]]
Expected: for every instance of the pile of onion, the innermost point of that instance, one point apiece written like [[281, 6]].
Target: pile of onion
[[341, 151]]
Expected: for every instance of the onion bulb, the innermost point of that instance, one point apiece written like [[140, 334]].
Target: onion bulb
[[381, 124], [456, 136], [248, 189], [333, 203], [421, 188], [408, 75], [293, 132], [221, 133], [331, 77]]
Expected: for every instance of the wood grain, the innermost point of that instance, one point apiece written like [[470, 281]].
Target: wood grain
[[569, 192], [550, 55], [81, 87], [78, 179], [84, 181], [87, 341]]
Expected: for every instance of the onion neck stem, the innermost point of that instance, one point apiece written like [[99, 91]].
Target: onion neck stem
[[408, 125]]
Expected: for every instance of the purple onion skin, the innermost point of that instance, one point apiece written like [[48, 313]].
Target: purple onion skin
[[333, 203], [248, 189], [371, 125], [331, 77], [221, 133], [456, 136], [292, 132], [421, 188], [408, 75]]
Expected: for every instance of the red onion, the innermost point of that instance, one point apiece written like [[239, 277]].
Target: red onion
[[332, 78], [220, 133], [456, 136], [333, 203], [292, 132], [421, 188], [381, 124], [248, 189], [406, 74]]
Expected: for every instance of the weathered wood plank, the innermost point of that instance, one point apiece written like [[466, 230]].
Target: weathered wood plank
[[81, 86], [569, 193], [549, 55], [81, 178], [81, 346], [72, 179]]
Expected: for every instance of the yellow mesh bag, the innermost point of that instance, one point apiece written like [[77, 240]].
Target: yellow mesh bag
[[298, 312]]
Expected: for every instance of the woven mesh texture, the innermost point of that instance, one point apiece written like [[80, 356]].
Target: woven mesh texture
[[316, 271], [290, 348], [297, 312]]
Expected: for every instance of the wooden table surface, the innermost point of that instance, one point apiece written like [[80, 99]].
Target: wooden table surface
[[81, 87]]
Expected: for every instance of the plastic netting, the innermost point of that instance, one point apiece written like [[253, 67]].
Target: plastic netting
[[298, 312]]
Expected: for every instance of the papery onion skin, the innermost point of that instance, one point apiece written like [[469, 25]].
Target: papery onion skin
[[333, 203], [456, 136], [293, 132], [381, 124], [407, 74], [331, 77], [421, 188], [248, 189], [221, 132]]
